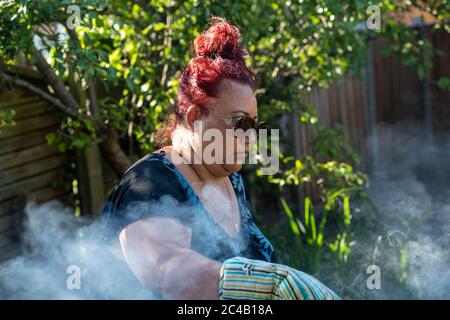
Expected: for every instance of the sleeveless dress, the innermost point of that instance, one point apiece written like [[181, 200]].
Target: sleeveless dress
[[153, 187]]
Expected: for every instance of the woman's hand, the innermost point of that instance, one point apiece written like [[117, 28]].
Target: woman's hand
[[157, 251]]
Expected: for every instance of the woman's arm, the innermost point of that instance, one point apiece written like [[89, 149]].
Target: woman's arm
[[157, 251]]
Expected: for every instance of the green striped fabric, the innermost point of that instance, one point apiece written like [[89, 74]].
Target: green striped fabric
[[242, 278]]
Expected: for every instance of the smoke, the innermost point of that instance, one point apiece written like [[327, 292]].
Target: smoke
[[408, 236], [55, 242], [57, 246]]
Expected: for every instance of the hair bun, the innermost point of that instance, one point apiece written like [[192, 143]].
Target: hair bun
[[221, 39]]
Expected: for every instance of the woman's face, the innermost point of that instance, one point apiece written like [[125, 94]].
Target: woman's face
[[234, 99]]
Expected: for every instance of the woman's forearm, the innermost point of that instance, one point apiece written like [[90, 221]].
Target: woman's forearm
[[167, 266], [189, 275]]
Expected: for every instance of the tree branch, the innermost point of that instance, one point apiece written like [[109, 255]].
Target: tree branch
[[167, 43], [54, 81], [93, 106], [113, 152], [20, 70], [41, 93]]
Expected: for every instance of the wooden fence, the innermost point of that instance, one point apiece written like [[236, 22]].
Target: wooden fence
[[32, 170], [386, 92], [29, 167]]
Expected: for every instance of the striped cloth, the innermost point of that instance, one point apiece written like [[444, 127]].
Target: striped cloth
[[242, 278]]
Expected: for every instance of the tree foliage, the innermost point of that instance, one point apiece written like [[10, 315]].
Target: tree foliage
[[130, 52]]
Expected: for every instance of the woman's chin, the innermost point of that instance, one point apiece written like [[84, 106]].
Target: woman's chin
[[232, 167]]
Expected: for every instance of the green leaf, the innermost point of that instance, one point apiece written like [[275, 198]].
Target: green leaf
[[347, 213], [444, 83], [290, 215], [159, 26], [62, 147]]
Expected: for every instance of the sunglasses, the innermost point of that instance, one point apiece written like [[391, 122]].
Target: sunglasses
[[244, 122]]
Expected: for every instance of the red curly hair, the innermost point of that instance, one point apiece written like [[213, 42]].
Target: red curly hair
[[218, 55]]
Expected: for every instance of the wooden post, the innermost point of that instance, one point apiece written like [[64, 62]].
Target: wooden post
[[425, 97], [90, 180], [372, 148], [298, 154]]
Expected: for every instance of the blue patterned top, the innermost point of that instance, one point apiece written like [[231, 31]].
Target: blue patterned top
[[152, 179]]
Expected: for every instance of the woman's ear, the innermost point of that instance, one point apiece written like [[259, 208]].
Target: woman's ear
[[191, 116]]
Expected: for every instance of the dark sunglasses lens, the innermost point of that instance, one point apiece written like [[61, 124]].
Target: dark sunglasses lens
[[245, 123], [262, 125]]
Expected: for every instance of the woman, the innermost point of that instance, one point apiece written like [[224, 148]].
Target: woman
[[185, 225]]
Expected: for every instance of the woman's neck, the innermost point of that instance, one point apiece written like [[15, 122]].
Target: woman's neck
[[210, 172], [205, 172]]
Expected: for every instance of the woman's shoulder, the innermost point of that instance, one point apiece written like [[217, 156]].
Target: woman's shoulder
[[152, 176], [149, 188], [154, 161]]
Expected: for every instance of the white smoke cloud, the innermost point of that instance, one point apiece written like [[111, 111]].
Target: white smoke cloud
[[54, 239], [410, 188]]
